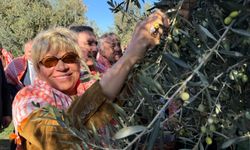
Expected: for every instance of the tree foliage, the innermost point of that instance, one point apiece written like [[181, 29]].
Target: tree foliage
[[126, 20], [192, 90], [21, 20]]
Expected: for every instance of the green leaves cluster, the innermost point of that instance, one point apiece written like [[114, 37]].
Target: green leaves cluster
[[198, 56], [126, 16], [21, 20]]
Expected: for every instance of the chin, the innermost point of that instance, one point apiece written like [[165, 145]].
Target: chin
[[90, 63], [66, 88], [68, 91]]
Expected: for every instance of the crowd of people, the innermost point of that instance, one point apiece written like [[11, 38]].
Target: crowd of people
[[51, 73]]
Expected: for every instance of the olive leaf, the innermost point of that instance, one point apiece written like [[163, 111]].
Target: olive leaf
[[176, 60], [231, 53], [153, 135], [204, 30], [241, 32], [234, 141], [127, 131]]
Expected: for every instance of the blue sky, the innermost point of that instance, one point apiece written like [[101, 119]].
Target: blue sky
[[98, 11]]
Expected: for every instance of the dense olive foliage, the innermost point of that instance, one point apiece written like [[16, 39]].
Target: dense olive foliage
[[189, 92]]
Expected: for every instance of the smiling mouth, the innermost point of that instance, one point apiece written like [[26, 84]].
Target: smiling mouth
[[64, 75]]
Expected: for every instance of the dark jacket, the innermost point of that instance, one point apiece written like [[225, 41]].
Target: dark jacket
[[5, 100]]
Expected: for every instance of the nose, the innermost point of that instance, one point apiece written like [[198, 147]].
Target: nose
[[94, 50], [61, 66], [117, 48]]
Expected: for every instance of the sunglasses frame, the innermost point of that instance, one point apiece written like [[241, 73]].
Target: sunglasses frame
[[43, 61]]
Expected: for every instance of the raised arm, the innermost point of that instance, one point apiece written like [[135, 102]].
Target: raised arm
[[142, 39]]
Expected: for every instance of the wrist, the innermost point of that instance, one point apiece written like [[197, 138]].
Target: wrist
[[135, 52]]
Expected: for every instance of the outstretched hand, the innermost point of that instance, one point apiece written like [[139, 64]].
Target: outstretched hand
[[147, 33]]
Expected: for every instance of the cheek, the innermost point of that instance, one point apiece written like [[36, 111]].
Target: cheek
[[108, 50], [45, 73], [75, 68]]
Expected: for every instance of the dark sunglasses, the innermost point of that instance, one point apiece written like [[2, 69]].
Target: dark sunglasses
[[52, 61]]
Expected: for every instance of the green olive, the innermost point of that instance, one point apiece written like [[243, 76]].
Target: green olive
[[210, 120], [212, 128], [176, 32], [244, 78], [240, 75], [231, 76], [170, 39], [247, 114], [235, 72], [203, 129], [176, 38], [234, 14], [227, 20], [209, 141], [201, 108], [184, 96]]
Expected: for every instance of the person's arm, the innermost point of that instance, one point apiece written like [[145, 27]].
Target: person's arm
[[112, 81]]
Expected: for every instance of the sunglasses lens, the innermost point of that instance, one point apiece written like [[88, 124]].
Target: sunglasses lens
[[70, 58], [50, 62]]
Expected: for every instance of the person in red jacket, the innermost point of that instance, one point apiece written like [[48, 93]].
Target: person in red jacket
[[20, 71]]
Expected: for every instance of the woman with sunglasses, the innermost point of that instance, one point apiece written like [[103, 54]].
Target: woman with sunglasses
[[56, 55]]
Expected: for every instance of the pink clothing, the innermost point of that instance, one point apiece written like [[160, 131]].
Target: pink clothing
[[7, 56], [41, 94], [104, 62], [15, 71]]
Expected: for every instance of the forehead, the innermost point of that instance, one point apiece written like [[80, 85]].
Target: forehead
[[114, 37], [111, 40], [56, 53], [58, 49], [86, 36]]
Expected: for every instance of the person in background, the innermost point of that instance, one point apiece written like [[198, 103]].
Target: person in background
[[5, 101], [20, 71], [56, 57], [109, 50], [5, 56], [117, 46], [87, 42]]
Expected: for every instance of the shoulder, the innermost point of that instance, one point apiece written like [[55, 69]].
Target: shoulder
[[19, 59], [84, 86], [19, 62], [24, 93]]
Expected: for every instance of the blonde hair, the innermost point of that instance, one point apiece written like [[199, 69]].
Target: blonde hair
[[54, 39]]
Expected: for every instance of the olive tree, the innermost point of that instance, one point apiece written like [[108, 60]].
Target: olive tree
[[21, 20], [189, 92]]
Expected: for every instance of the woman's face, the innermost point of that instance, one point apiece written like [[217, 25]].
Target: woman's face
[[64, 74]]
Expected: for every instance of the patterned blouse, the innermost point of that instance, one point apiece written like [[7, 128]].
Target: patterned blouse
[[41, 94]]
